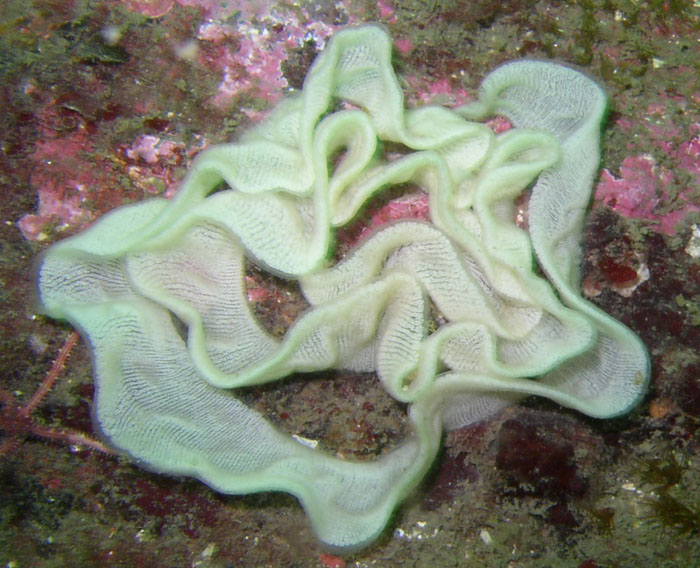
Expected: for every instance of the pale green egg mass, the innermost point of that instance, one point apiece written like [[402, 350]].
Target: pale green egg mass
[[168, 398]]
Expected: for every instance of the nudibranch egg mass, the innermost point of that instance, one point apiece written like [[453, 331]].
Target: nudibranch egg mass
[[143, 273]]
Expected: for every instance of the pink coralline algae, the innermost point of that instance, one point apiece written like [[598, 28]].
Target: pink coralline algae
[[150, 8], [386, 11], [642, 190], [438, 91], [249, 55], [412, 206], [61, 173], [73, 189], [647, 188], [403, 45], [253, 65]]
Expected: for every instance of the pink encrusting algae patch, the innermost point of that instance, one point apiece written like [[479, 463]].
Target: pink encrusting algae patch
[[61, 175], [386, 11], [643, 188], [76, 182], [150, 8], [440, 91], [249, 55], [641, 191], [403, 45], [251, 65], [646, 189], [412, 205]]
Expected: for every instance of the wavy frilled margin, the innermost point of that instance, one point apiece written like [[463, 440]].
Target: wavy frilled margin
[[509, 332]]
